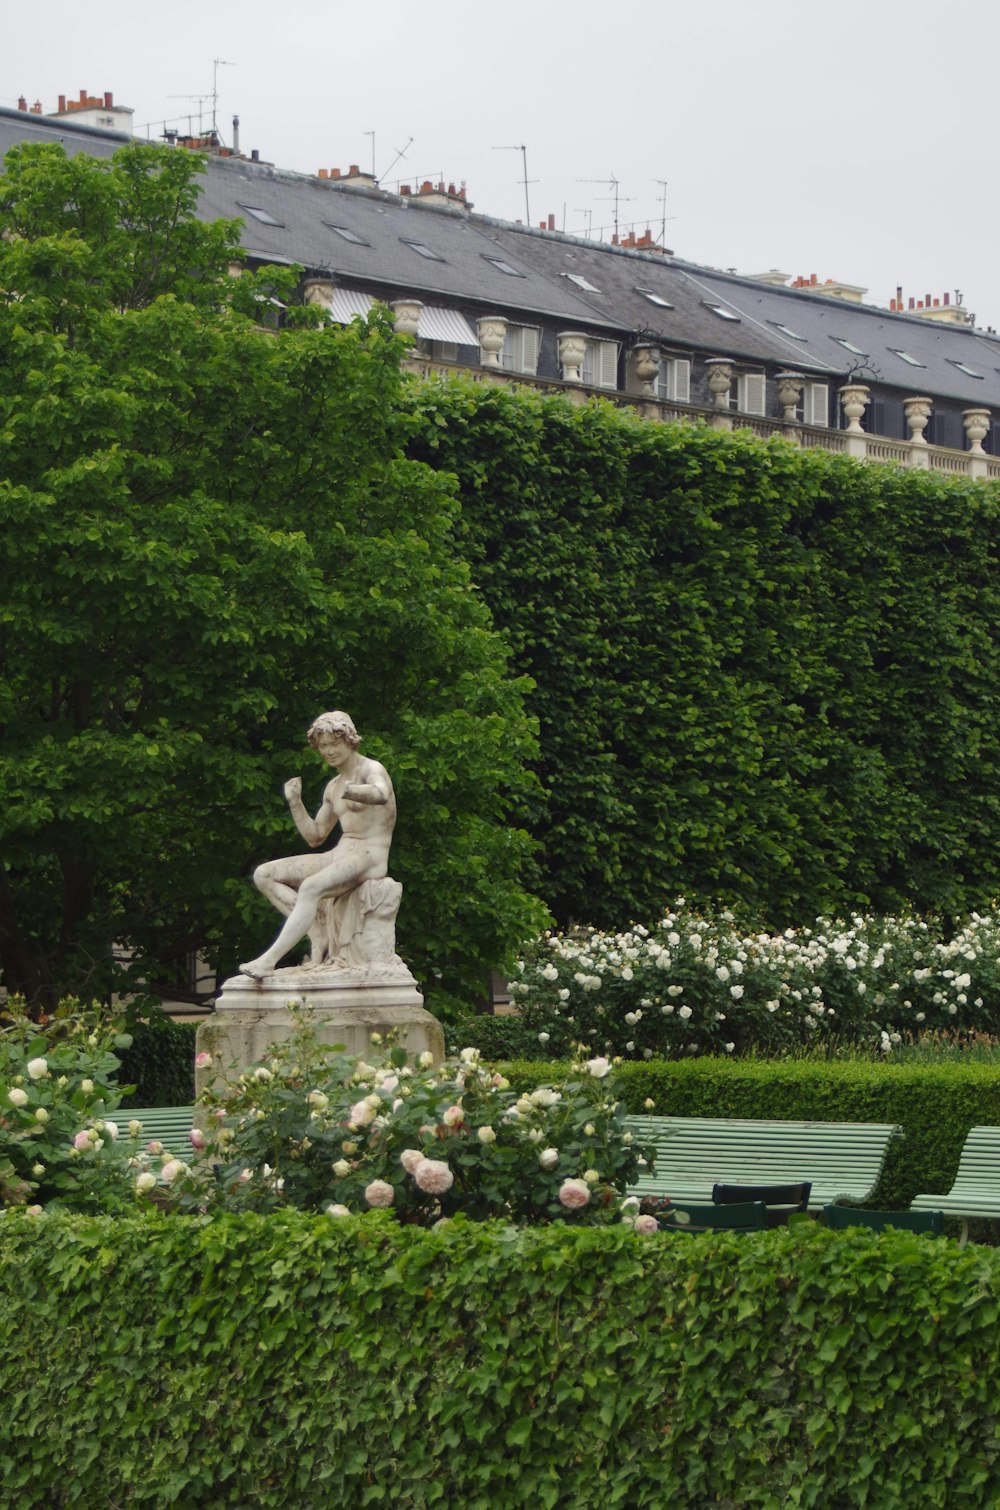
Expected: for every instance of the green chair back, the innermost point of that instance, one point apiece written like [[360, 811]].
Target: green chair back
[[931, 1223], [741, 1216]]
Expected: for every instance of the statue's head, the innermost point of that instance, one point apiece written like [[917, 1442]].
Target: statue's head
[[334, 723]]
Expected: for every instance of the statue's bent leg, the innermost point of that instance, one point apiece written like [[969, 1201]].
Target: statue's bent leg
[[329, 882]]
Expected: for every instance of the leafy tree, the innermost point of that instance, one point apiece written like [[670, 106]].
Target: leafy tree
[[208, 535]]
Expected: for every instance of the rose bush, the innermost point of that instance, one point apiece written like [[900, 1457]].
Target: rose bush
[[695, 984], [319, 1129]]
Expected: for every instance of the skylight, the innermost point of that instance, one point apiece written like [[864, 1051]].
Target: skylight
[[905, 356], [787, 331], [721, 311], [502, 266], [347, 233], [647, 293], [425, 251], [581, 282], [263, 216], [849, 346], [969, 371]]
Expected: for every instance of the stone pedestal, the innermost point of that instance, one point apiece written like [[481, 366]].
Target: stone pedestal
[[346, 1007]]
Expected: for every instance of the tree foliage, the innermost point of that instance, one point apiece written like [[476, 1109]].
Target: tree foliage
[[762, 675], [208, 535]]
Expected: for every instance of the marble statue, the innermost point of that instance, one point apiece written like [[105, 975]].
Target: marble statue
[[342, 899]]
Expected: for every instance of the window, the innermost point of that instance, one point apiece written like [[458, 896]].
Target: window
[[600, 364], [849, 346], [424, 251], [520, 348], [444, 351], [787, 331], [721, 311], [581, 282], [750, 393], [262, 215], [348, 235], [969, 371], [502, 266], [906, 357], [673, 381], [815, 406], [647, 293]]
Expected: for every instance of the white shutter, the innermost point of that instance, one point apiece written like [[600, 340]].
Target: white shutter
[[529, 350], [513, 348], [679, 380], [607, 364], [751, 393], [817, 404]]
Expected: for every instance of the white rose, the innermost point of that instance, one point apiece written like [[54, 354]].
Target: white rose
[[549, 1158], [341, 1168], [599, 1067], [337, 1210], [145, 1181], [17, 1097], [486, 1135], [37, 1069], [684, 1012], [87, 1086]]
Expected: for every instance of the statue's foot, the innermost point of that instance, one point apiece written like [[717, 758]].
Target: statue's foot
[[257, 968]]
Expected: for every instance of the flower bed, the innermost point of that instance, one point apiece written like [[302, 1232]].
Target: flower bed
[[694, 984]]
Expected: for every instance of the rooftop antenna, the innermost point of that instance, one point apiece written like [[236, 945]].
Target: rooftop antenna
[[612, 183], [525, 180], [372, 135], [201, 100], [400, 152], [664, 217], [590, 218], [217, 63]]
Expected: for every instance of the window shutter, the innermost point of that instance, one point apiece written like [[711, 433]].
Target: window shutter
[[529, 348], [751, 392], [680, 381], [607, 364], [513, 347], [817, 405]]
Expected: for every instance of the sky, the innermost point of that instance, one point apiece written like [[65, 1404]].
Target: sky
[[848, 141]]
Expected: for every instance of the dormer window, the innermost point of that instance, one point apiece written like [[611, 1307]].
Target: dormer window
[[849, 346], [502, 266], [654, 298], [422, 250], [347, 234], [722, 312], [581, 282], [264, 216], [969, 371]]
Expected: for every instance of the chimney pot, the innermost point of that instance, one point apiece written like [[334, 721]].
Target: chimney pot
[[354, 170], [912, 304], [937, 303], [36, 108], [451, 190], [927, 300], [109, 99], [255, 155], [426, 187], [947, 298], [552, 222], [22, 103], [62, 104], [334, 172], [404, 188], [83, 96], [812, 277], [324, 173]]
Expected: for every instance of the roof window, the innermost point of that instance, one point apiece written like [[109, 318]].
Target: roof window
[[425, 251], [502, 266], [905, 356], [787, 331], [647, 293], [721, 311], [347, 233], [849, 346], [264, 216], [969, 371], [581, 282]]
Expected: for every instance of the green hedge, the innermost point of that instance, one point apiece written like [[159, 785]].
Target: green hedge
[[935, 1104], [762, 674], [291, 1360], [160, 1063]]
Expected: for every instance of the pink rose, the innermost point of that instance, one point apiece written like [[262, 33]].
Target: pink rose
[[82, 1140], [646, 1225], [196, 1138], [410, 1158], [202, 1061], [574, 1194], [379, 1193], [433, 1176], [361, 1115], [453, 1116]]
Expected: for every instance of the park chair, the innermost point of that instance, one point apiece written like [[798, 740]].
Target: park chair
[[931, 1223], [782, 1201], [742, 1216]]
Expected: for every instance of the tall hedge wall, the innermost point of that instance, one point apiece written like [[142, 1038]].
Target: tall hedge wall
[[763, 674], [289, 1360]]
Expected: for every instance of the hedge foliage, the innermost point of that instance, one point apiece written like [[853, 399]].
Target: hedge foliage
[[935, 1104], [159, 1063], [762, 674], [287, 1360]]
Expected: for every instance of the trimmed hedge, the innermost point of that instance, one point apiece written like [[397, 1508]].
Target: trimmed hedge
[[160, 1063], [288, 1360], [935, 1104], [761, 674]]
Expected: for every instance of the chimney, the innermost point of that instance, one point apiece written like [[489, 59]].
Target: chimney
[[324, 173], [83, 96], [334, 172], [62, 104], [947, 298], [36, 108], [22, 103], [404, 190], [912, 304], [355, 170], [236, 135], [552, 222], [255, 155], [109, 99]]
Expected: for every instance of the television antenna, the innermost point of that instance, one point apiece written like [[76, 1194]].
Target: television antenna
[[217, 63], [615, 196], [372, 135], [400, 152], [664, 217], [590, 218], [525, 180]]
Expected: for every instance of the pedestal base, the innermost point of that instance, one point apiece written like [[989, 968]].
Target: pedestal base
[[344, 1009]]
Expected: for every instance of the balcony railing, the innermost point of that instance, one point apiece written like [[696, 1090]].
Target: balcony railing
[[860, 444]]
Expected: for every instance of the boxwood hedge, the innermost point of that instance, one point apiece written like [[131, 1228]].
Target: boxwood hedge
[[288, 1360]]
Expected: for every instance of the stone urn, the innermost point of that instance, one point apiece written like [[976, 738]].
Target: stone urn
[[406, 315], [646, 367], [789, 386], [318, 291], [492, 332], [572, 350], [854, 398], [720, 380], [977, 427], [918, 411]]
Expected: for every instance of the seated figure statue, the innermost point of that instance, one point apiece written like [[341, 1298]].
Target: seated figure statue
[[332, 896]]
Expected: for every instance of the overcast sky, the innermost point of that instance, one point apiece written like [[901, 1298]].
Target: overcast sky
[[850, 141]]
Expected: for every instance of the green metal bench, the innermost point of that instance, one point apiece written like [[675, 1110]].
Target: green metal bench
[[842, 1159], [976, 1191], [930, 1223], [168, 1125]]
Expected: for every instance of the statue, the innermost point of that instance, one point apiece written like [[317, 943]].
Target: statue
[[343, 899]]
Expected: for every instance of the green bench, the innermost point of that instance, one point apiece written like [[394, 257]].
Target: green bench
[[842, 1159], [168, 1125], [976, 1190]]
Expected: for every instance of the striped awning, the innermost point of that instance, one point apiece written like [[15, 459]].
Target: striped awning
[[446, 325], [347, 302]]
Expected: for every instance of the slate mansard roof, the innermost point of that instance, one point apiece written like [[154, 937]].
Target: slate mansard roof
[[774, 327]]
